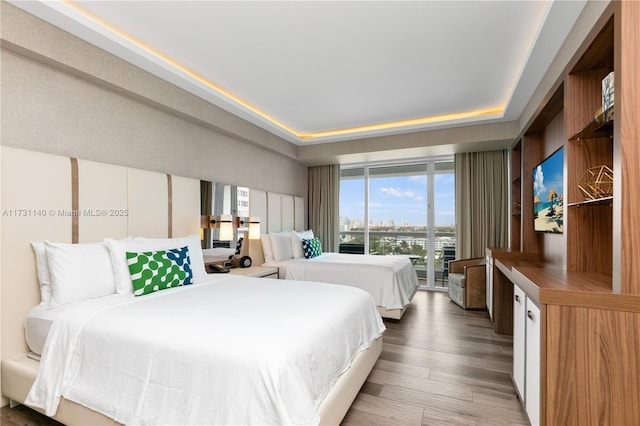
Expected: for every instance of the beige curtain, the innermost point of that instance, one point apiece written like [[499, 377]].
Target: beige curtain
[[324, 197], [482, 186]]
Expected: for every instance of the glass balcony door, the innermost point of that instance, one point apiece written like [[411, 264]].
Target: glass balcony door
[[400, 209]]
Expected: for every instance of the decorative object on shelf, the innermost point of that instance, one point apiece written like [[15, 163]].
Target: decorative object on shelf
[[597, 182], [548, 184], [607, 92]]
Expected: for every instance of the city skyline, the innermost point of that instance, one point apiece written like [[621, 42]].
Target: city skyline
[[401, 199]]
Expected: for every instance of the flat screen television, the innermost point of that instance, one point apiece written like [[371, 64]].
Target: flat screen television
[[548, 193]]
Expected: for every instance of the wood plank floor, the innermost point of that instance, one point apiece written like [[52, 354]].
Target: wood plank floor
[[440, 365]]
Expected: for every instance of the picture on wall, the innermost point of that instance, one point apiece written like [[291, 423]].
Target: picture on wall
[[548, 193]]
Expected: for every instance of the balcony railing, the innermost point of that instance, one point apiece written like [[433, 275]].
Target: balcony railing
[[402, 242]]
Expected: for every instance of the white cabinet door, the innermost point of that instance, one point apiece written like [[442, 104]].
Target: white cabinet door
[[532, 379], [519, 330]]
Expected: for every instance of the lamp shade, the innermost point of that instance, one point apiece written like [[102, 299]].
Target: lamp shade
[[254, 228], [226, 228]]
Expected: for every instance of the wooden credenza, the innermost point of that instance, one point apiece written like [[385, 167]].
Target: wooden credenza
[[499, 291], [583, 366]]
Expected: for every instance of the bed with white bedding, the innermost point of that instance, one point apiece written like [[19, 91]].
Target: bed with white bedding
[[228, 350], [391, 280], [84, 271]]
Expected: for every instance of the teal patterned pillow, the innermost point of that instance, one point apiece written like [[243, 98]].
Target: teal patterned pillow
[[157, 270], [312, 248]]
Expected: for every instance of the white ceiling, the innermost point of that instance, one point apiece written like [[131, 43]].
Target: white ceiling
[[325, 71]]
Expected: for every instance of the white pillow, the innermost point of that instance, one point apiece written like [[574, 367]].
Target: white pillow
[[266, 248], [79, 271], [281, 245], [119, 248], [296, 242], [42, 268], [195, 250]]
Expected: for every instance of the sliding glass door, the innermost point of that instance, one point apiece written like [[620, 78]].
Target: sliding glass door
[[401, 209]]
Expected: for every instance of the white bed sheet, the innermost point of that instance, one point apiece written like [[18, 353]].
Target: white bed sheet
[[230, 350], [38, 323], [391, 280]]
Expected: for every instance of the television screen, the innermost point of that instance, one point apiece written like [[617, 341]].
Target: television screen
[[548, 193]]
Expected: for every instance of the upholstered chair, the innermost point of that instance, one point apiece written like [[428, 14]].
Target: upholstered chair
[[467, 280]]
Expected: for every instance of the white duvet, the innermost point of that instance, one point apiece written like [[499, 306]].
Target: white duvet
[[391, 280], [231, 350]]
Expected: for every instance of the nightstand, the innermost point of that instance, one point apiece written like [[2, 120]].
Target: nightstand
[[256, 271]]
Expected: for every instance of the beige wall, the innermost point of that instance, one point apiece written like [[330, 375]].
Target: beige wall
[[64, 96]]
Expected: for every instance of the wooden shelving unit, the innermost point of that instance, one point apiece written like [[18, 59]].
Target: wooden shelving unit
[[600, 126], [590, 143], [590, 299]]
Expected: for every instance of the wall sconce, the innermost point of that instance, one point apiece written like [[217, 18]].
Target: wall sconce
[[242, 222], [205, 220], [226, 227], [254, 228]]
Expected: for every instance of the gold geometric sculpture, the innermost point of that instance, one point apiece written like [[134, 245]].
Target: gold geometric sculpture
[[597, 182]]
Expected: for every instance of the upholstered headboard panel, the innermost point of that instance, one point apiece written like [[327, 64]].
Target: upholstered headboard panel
[[101, 186], [274, 213], [62, 199], [36, 193], [278, 213]]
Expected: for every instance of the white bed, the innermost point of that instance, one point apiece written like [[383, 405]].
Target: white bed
[[391, 280], [228, 350], [160, 206]]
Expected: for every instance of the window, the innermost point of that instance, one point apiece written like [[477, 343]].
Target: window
[[406, 209]]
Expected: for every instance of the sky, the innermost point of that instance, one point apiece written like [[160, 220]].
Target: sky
[[548, 175], [400, 199]]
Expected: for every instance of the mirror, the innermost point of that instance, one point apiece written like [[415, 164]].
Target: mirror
[[222, 199]]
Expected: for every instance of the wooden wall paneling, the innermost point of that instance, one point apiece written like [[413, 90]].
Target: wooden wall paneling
[[554, 245], [627, 128], [36, 205], [531, 156], [593, 366], [288, 214], [583, 98], [590, 242], [563, 367], [148, 201], [102, 196], [185, 205], [274, 212], [300, 213]]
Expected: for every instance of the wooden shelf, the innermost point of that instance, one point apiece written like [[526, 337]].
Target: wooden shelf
[[599, 201], [584, 289], [601, 126]]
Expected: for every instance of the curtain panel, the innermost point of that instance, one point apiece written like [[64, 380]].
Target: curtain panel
[[482, 197], [324, 199]]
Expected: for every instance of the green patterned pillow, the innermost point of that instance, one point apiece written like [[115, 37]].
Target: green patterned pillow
[[312, 248], [157, 270]]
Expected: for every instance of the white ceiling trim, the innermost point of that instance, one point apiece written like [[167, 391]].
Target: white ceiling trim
[[551, 30]]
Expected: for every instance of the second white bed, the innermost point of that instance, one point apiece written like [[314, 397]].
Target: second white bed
[[391, 280]]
